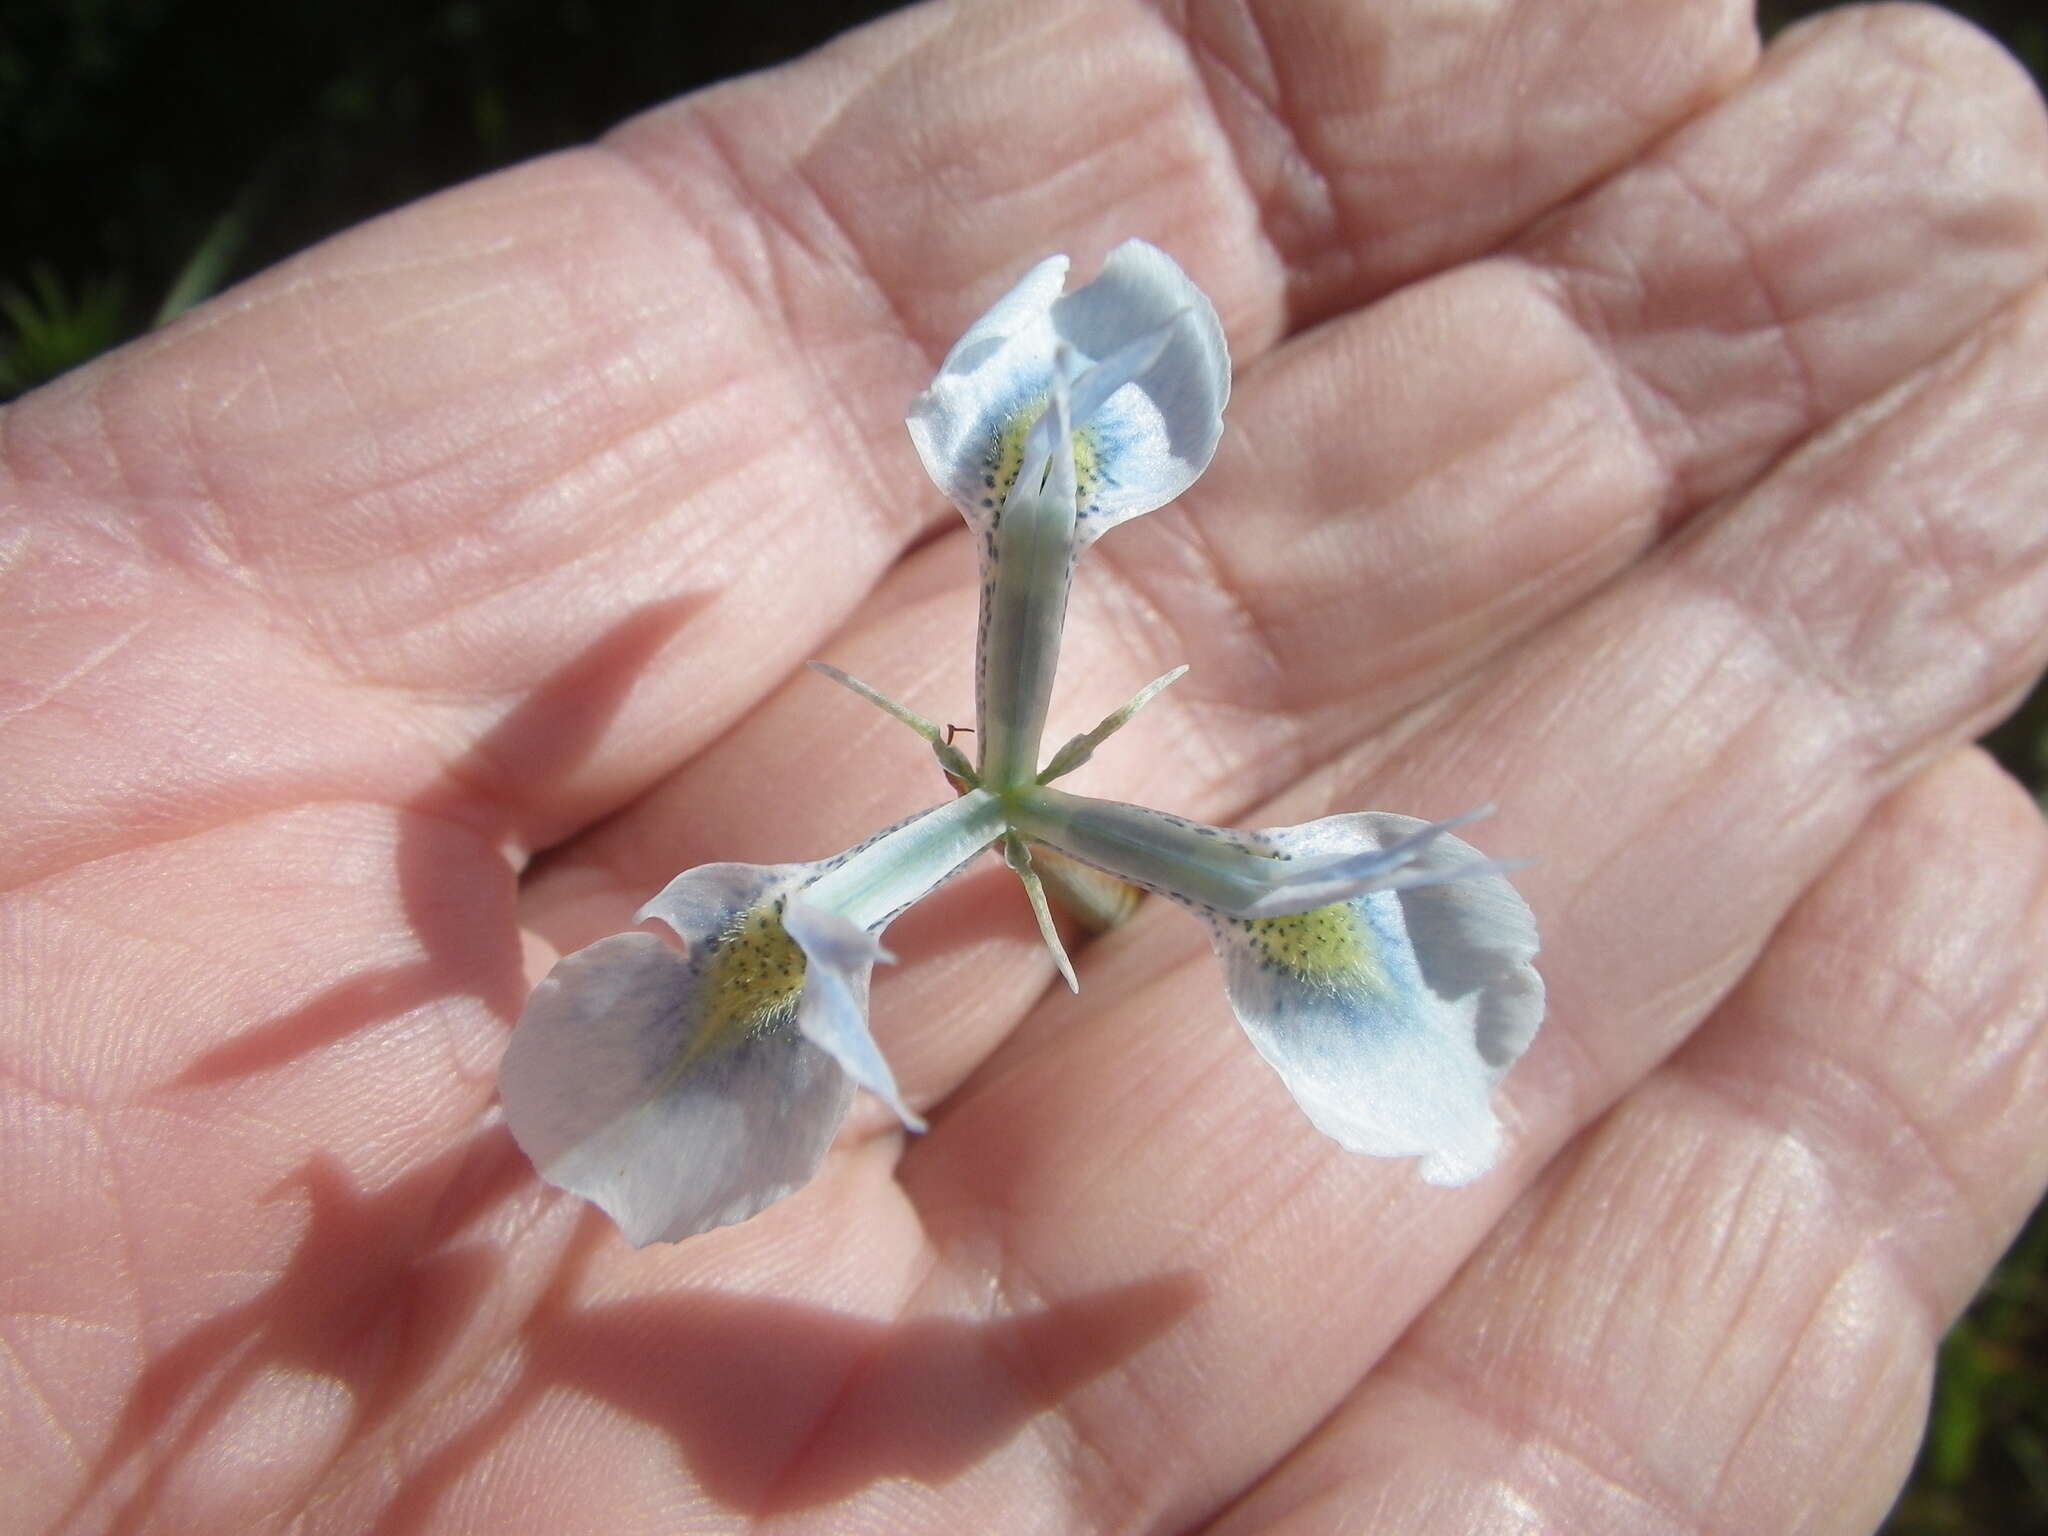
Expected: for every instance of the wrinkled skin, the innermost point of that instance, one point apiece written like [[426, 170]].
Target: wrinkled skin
[[1643, 435]]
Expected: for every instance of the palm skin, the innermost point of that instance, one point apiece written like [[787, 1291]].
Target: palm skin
[[1644, 436]]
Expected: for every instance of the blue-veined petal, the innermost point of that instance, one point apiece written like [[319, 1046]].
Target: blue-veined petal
[[685, 1091], [673, 1090], [1137, 445], [1390, 1014]]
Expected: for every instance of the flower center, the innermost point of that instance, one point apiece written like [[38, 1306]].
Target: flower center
[[1006, 456], [1331, 946], [753, 977]]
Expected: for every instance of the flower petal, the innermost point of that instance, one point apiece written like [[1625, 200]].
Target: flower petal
[[966, 424], [1152, 437], [1142, 439], [1473, 936], [626, 1084], [1014, 315], [1391, 1016], [1333, 999], [681, 1092], [839, 958]]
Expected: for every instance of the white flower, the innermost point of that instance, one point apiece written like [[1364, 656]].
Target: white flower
[[1149, 373], [682, 1091], [1380, 965], [1377, 963], [1056, 417]]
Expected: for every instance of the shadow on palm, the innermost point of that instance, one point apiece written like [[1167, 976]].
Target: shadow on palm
[[466, 941], [774, 1406]]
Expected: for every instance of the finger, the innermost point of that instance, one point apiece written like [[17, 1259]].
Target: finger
[[1720, 1311], [1301, 160], [1292, 658], [1478, 451], [1691, 749], [405, 478]]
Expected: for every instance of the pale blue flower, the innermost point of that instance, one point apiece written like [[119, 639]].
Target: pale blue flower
[[1379, 964], [682, 1090], [1055, 418]]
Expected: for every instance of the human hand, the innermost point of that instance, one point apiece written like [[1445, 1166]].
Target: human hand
[[1665, 465]]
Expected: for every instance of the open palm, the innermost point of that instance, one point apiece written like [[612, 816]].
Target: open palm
[[1644, 437]]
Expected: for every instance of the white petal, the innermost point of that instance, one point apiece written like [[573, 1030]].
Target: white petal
[[1472, 937], [1379, 1063], [839, 958], [1011, 319], [1146, 440], [1152, 437], [624, 1087], [1392, 1016], [700, 904], [1001, 367], [681, 1092]]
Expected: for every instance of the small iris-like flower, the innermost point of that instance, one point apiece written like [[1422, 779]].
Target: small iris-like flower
[[1380, 965], [682, 1091]]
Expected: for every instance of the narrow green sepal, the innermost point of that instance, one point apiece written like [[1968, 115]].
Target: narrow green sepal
[[910, 717], [951, 759], [1082, 747], [1017, 854]]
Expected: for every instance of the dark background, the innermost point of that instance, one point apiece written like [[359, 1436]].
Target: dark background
[[156, 150]]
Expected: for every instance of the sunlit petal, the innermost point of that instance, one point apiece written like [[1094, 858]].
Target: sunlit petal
[[1146, 424], [681, 1091], [840, 958], [1390, 1013], [1152, 437], [637, 1080], [1391, 1016], [1334, 1000]]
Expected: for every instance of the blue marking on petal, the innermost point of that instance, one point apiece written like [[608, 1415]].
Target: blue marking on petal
[[1336, 1002], [610, 1087]]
